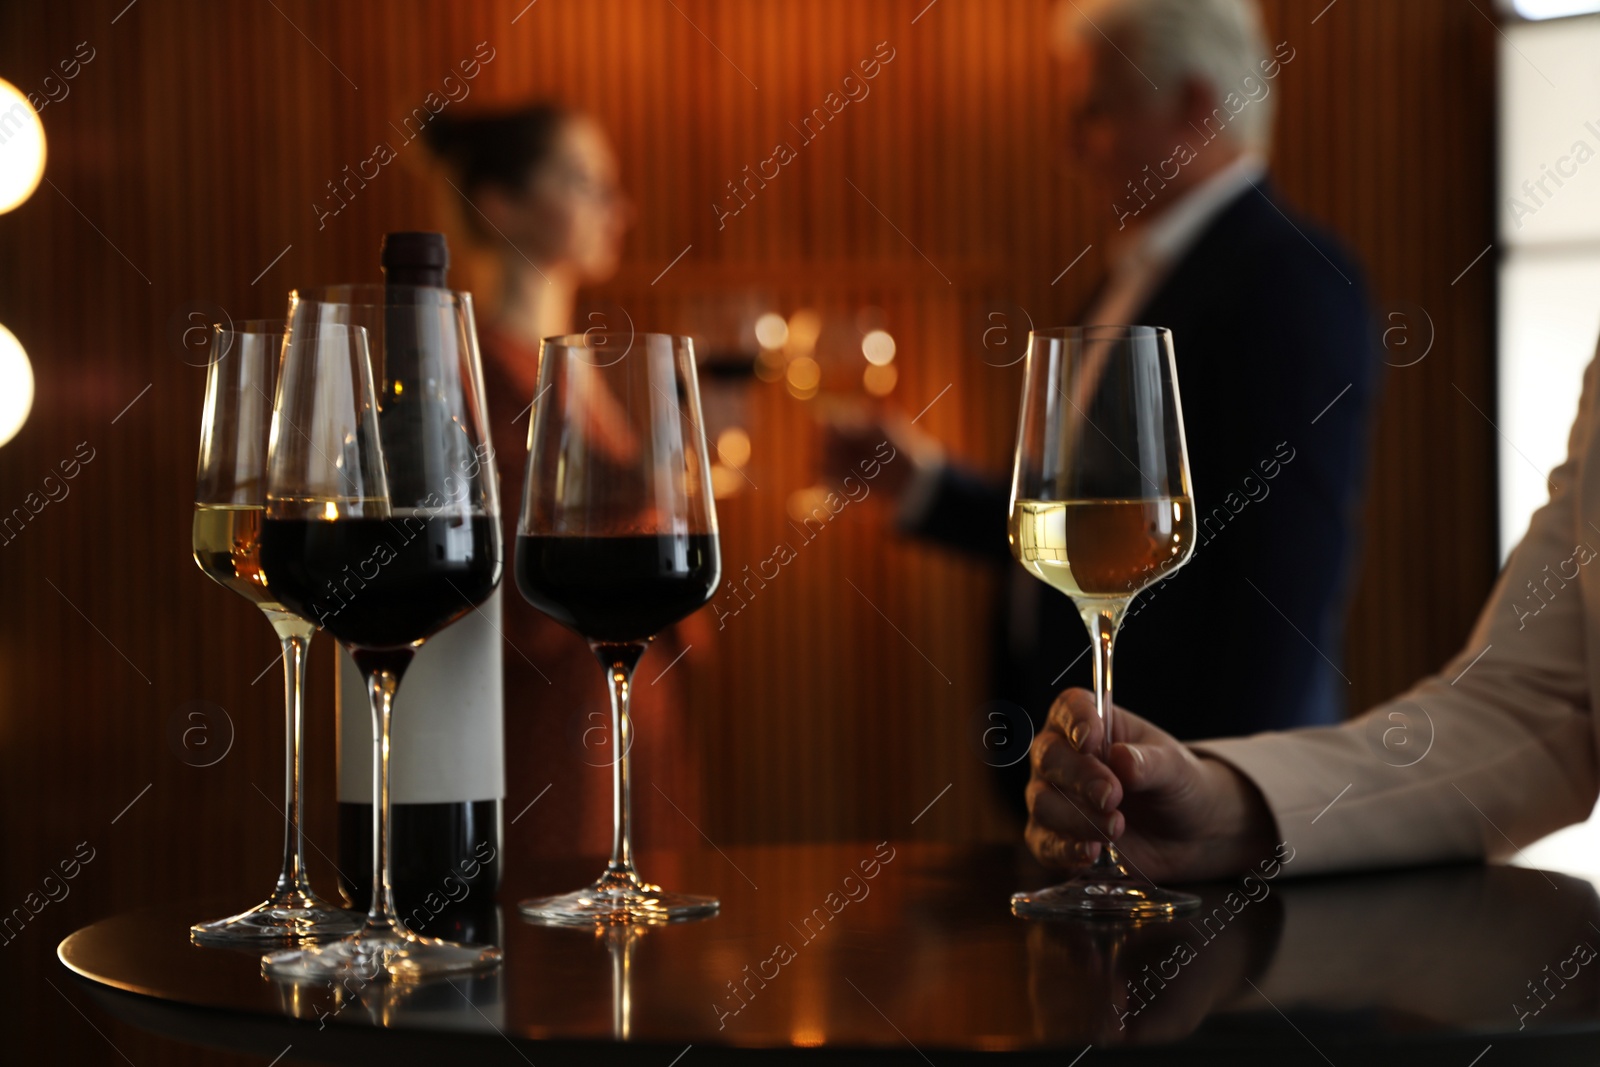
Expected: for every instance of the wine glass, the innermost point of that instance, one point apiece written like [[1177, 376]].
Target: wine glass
[[617, 541], [228, 499], [1100, 509], [382, 527]]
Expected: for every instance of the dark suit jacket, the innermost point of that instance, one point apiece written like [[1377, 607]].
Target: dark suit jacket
[[1277, 372]]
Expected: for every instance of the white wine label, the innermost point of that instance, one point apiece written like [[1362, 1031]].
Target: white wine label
[[447, 737]]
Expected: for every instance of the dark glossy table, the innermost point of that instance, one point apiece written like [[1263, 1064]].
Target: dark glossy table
[[923, 963]]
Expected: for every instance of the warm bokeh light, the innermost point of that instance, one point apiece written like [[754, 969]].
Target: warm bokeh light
[[21, 147], [725, 481], [805, 326], [772, 331], [878, 347], [733, 447], [802, 502], [879, 381], [804, 375], [16, 385]]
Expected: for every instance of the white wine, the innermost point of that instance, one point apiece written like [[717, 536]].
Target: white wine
[[1102, 549], [227, 546]]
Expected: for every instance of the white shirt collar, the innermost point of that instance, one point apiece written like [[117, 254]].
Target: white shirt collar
[[1171, 234]]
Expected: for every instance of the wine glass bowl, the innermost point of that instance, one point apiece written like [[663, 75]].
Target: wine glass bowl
[[1101, 508], [618, 541], [382, 526], [230, 484]]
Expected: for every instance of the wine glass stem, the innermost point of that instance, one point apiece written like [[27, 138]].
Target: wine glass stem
[[619, 662], [1102, 623], [381, 686], [621, 680], [292, 879]]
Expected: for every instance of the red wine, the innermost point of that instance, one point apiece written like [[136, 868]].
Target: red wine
[[382, 583], [447, 859], [622, 589]]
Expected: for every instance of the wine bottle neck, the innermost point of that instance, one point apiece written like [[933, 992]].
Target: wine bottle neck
[[410, 274]]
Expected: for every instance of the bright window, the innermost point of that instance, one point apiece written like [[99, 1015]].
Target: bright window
[[1549, 213]]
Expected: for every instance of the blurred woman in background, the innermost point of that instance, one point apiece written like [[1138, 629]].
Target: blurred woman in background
[[540, 214]]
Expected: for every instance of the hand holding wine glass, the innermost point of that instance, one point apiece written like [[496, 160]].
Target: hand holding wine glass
[[1171, 811], [852, 432], [1100, 509]]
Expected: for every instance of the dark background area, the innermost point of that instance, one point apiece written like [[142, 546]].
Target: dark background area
[[190, 152]]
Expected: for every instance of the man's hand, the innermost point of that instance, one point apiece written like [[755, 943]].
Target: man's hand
[[853, 432], [1173, 813]]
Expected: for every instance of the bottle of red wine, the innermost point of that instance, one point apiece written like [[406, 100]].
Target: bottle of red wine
[[447, 763]]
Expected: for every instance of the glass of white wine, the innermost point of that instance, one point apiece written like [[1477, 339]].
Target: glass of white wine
[[1100, 509], [230, 487]]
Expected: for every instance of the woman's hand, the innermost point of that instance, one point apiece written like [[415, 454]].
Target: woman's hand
[[1174, 814]]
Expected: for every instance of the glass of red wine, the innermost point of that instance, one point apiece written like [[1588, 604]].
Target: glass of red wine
[[230, 482], [617, 541], [382, 527]]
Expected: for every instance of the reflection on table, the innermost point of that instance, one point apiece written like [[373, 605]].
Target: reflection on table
[[922, 958]]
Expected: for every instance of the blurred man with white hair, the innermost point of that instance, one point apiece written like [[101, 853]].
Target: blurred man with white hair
[[1171, 105], [1197, 99]]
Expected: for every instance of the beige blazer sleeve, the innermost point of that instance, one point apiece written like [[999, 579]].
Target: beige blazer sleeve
[[1494, 751]]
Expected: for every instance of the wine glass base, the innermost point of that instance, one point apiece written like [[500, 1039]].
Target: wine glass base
[[278, 922], [609, 902], [1097, 894], [380, 956]]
